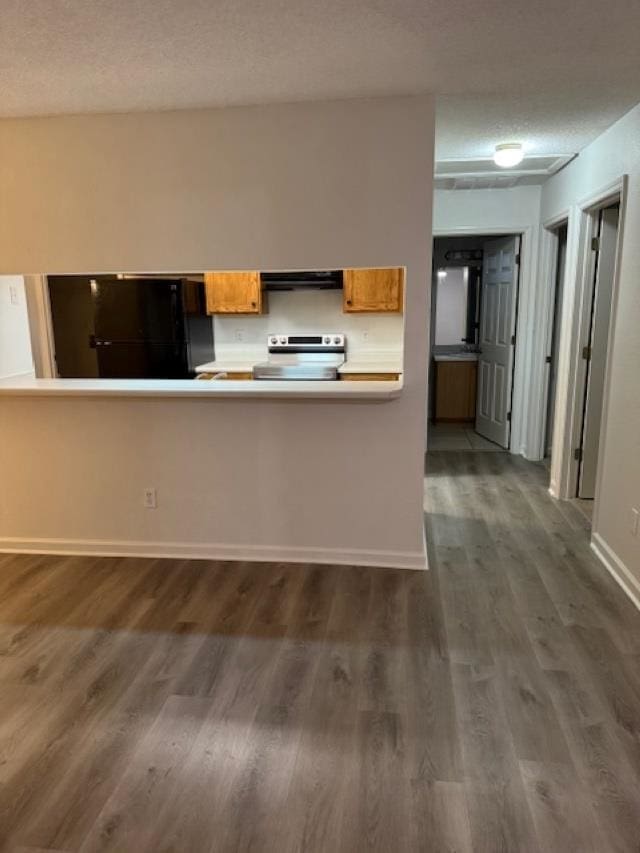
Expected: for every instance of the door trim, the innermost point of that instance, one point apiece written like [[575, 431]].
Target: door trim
[[518, 441]]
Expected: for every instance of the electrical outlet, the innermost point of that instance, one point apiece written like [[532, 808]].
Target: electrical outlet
[[635, 521], [13, 294], [239, 334], [150, 498]]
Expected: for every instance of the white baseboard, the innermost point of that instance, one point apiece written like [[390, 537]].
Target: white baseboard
[[415, 560], [614, 565]]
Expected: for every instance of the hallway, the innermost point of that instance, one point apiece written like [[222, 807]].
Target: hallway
[[543, 649]]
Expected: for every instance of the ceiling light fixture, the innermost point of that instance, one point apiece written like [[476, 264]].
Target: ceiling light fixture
[[508, 154]]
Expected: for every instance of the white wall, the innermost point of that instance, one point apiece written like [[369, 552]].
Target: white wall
[[516, 210], [309, 311], [318, 185], [15, 342], [613, 154], [485, 211]]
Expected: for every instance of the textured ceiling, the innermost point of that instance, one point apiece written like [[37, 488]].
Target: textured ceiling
[[550, 74]]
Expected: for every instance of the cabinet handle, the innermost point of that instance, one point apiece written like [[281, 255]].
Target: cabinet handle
[[349, 302], [253, 304]]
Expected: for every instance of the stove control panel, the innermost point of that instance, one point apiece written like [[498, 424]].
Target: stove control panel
[[325, 342]]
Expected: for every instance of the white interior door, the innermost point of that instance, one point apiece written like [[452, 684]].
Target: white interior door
[[596, 351], [497, 338]]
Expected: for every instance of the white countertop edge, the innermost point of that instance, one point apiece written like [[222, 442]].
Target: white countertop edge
[[201, 389]]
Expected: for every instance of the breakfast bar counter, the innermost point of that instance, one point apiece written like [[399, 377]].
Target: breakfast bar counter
[[27, 386]]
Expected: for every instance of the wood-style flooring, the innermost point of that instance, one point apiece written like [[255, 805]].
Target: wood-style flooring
[[491, 704], [443, 436]]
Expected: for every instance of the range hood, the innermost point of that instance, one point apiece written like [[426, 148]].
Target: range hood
[[314, 280]]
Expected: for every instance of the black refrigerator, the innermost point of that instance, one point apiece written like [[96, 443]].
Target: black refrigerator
[[129, 328]]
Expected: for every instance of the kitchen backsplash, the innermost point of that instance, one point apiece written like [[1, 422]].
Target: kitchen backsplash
[[305, 312]]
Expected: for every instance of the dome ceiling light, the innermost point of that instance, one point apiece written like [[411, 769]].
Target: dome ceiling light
[[508, 154]]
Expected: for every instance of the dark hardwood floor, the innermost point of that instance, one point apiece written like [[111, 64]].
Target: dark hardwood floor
[[491, 704]]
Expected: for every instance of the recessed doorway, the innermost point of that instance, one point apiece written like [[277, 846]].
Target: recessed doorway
[[596, 344], [473, 334]]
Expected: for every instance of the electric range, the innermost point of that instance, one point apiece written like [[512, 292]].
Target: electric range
[[303, 357]]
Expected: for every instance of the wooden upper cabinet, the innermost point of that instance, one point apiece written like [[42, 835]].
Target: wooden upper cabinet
[[233, 293], [373, 290]]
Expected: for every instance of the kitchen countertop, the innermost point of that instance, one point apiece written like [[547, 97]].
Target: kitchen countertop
[[364, 363], [456, 356], [237, 365], [384, 363], [202, 389]]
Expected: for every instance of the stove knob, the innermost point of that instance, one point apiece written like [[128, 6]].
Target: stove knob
[[327, 340], [274, 340], [336, 340], [283, 340]]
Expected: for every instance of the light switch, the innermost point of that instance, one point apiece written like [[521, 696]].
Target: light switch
[[13, 294]]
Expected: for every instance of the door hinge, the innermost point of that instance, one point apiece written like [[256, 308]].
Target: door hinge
[[595, 244], [508, 417], [548, 359], [513, 340], [518, 258], [577, 454], [586, 353]]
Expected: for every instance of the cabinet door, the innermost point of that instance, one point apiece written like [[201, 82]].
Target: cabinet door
[[370, 377], [373, 290], [455, 390], [233, 293]]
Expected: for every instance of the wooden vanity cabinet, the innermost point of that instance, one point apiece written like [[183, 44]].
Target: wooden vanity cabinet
[[373, 290], [456, 383], [234, 293]]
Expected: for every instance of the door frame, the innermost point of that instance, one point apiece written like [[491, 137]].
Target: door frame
[[594, 299], [41, 326], [554, 322], [574, 329], [540, 381], [526, 296]]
